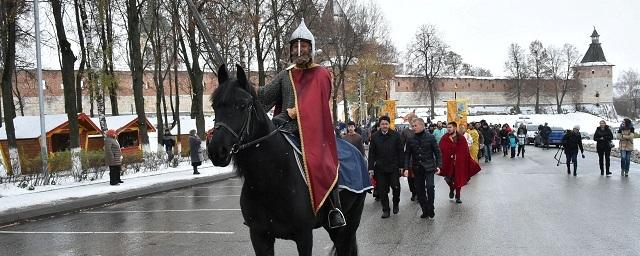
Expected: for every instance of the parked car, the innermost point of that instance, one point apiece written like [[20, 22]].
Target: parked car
[[585, 136], [532, 130], [555, 138]]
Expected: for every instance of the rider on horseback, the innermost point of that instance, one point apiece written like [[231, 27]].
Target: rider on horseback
[[301, 95]]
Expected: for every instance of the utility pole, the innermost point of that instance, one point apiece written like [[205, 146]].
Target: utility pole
[[43, 132]]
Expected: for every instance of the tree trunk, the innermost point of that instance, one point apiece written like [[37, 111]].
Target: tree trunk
[[344, 97], [68, 82], [18, 94], [83, 57], [113, 82], [518, 95], [196, 80], [9, 45], [135, 54], [432, 96], [258, 43], [537, 109], [334, 101], [176, 31]]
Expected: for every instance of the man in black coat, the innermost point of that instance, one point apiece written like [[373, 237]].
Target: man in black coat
[[544, 134], [488, 134], [386, 162], [422, 153], [406, 135], [572, 141], [603, 137]]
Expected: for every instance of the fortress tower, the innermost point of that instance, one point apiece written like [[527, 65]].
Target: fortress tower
[[595, 74]]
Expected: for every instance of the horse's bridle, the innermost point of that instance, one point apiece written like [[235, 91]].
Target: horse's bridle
[[244, 131]]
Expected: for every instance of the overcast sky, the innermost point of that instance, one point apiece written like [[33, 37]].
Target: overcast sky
[[481, 31]]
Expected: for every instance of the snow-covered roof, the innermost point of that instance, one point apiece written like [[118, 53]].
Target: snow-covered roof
[[116, 122], [187, 124], [591, 64], [28, 127]]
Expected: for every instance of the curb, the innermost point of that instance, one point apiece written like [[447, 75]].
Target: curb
[[74, 204]]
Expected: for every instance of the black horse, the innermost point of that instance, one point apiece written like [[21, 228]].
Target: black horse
[[274, 199]]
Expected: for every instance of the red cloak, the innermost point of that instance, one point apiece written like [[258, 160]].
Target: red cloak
[[456, 160], [312, 89]]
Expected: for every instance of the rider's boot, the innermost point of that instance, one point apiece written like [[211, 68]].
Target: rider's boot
[[336, 218]]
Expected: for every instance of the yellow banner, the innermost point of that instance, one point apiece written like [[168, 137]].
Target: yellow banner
[[389, 109], [457, 111]]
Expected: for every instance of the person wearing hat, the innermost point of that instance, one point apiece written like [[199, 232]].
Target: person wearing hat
[[572, 141], [113, 157], [300, 96]]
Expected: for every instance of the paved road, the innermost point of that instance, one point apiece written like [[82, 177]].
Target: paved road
[[512, 207]]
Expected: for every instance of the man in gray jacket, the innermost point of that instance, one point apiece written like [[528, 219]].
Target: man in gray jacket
[[113, 157], [423, 154]]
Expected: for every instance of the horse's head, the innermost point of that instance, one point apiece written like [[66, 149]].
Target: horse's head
[[235, 106]]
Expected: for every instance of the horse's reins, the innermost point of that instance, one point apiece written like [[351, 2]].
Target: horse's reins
[[240, 136]]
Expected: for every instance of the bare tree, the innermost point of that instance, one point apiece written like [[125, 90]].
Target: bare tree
[[137, 69], [83, 55], [628, 87], [538, 63], [453, 62], [561, 63], [517, 68], [346, 28], [9, 12], [194, 70], [426, 55]]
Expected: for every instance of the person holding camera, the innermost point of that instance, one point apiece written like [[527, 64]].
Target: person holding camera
[[572, 141], [603, 137]]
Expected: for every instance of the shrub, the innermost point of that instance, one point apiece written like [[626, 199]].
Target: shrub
[[60, 161]]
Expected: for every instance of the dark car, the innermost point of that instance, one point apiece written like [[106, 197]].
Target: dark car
[[555, 138]]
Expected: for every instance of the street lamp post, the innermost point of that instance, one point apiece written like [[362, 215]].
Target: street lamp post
[[43, 133]]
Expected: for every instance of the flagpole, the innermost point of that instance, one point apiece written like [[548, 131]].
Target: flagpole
[[43, 132]]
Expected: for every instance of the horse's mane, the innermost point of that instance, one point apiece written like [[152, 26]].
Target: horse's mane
[[225, 92]]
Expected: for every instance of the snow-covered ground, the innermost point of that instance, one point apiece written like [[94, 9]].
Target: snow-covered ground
[[12, 197]]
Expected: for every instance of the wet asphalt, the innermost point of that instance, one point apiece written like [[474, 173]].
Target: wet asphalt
[[521, 206]]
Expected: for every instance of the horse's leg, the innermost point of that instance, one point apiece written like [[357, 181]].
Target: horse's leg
[[344, 238], [353, 213], [304, 242], [262, 243]]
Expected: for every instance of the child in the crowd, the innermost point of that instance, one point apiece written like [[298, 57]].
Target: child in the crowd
[[513, 143]]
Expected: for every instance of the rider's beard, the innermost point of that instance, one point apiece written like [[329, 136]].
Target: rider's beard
[[302, 60]]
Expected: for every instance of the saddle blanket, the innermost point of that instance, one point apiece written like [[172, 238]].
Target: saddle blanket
[[352, 175]]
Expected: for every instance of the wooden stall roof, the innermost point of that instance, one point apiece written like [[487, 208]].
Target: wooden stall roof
[[187, 124], [28, 127], [124, 123]]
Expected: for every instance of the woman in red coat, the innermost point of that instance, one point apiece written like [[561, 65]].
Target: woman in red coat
[[457, 165]]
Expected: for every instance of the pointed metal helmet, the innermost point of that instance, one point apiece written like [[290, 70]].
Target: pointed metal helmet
[[303, 33]]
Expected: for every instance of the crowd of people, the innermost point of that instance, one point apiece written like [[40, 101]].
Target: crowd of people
[[425, 149]]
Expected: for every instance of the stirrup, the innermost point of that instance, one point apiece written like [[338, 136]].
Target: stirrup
[[336, 219]]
